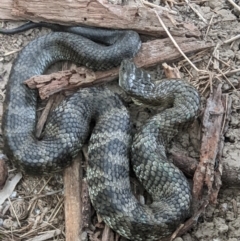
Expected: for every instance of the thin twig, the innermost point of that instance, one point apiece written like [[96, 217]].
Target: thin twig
[[226, 78], [174, 42], [11, 52], [232, 39], [14, 212], [158, 7], [229, 72], [209, 25], [234, 4], [196, 11]]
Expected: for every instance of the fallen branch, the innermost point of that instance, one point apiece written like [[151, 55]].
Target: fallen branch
[[72, 202], [98, 13], [152, 53], [212, 135]]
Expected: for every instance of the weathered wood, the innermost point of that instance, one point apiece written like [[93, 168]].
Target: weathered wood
[[212, 126], [230, 171], [72, 202], [151, 53], [3, 173], [97, 13], [6, 9], [86, 206]]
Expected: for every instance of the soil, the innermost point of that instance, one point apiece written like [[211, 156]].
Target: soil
[[39, 201]]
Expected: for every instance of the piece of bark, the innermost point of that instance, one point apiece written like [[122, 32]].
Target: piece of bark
[[226, 103], [3, 173], [212, 125], [170, 72], [107, 234], [188, 165], [6, 7], [98, 13], [73, 203], [43, 117], [151, 53], [86, 206]]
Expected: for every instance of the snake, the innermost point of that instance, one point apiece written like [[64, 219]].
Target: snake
[[110, 142]]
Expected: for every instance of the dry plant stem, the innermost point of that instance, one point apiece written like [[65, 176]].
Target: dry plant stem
[[232, 39], [212, 124], [11, 52], [196, 11], [174, 235], [174, 42], [225, 77], [234, 4], [209, 25], [72, 203], [46, 236], [107, 234], [215, 49], [158, 7], [229, 72], [19, 224], [43, 195], [44, 116], [56, 210]]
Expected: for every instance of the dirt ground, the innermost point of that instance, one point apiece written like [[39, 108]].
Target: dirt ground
[[39, 201]]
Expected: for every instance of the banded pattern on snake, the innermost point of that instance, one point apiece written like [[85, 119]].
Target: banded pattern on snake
[[110, 143]]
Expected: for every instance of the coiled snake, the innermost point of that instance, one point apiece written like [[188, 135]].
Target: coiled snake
[[110, 143]]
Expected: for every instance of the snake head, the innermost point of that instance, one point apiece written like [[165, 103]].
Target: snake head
[[127, 74], [133, 80]]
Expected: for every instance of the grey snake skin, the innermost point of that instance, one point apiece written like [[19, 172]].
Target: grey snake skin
[[110, 144]]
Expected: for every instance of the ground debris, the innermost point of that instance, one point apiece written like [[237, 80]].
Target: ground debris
[[209, 170]]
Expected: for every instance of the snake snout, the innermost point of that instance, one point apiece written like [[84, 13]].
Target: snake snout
[[127, 74]]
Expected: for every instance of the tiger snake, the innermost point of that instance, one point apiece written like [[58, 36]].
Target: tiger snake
[[111, 144]]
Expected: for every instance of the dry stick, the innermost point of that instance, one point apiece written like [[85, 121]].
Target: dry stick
[[44, 116], [174, 42], [232, 39], [212, 123], [225, 77], [14, 212], [107, 234], [73, 203], [209, 25], [226, 102], [196, 11], [234, 4], [151, 53], [11, 52], [229, 72], [215, 49], [158, 7]]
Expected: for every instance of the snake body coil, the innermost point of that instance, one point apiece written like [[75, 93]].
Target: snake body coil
[[110, 143]]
